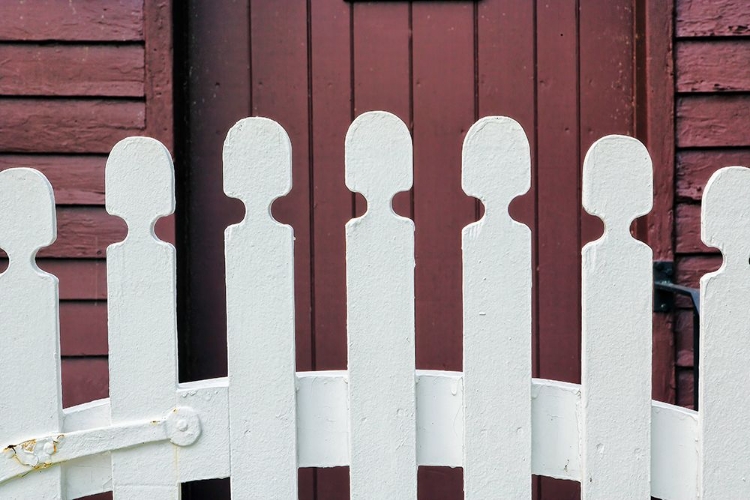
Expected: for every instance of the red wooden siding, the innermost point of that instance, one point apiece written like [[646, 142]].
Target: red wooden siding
[[565, 70], [73, 81], [712, 85]]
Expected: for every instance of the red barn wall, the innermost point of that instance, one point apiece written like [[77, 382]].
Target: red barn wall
[[712, 106], [75, 78]]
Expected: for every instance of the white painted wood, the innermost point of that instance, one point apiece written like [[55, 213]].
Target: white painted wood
[[724, 342], [616, 305], [497, 315], [139, 184], [380, 313], [323, 432], [30, 394], [260, 315]]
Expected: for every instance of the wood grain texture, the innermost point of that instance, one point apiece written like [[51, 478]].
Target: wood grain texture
[[687, 230], [331, 200], [80, 279], [654, 125], [443, 113], [84, 379], [67, 126], [712, 18], [712, 66], [712, 120], [76, 180], [695, 167], [84, 232], [157, 30], [82, 20], [71, 70], [83, 328]]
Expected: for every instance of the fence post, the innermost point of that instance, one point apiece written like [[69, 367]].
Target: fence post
[[616, 303], [260, 315], [497, 315], [724, 341], [30, 391], [139, 183], [380, 313]]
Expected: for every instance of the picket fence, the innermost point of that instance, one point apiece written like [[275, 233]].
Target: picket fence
[[381, 417]]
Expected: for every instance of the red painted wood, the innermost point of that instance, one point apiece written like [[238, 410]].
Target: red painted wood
[[84, 380], [558, 204], [606, 55], [443, 103], [382, 71], [654, 97], [157, 27], [84, 232], [82, 20], [685, 387], [331, 200], [712, 120], [83, 328], [712, 18], [695, 167], [690, 269], [443, 112], [76, 180], [688, 230], [67, 126], [216, 66], [712, 66], [280, 91], [79, 279], [71, 70]]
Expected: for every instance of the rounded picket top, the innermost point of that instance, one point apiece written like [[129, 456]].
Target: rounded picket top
[[378, 156], [617, 180], [725, 213], [27, 212], [496, 160], [139, 181], [257, 162]]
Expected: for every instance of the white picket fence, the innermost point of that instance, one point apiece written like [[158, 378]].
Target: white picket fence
[[381, 417]]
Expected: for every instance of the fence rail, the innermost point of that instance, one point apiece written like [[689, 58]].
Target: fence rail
[[380, 417]]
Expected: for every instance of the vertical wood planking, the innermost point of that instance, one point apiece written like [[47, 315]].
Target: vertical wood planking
[[497, 315], [30, 395], [558, 208], [606, 55], [380, 313], [724, 346], [141, 283], [443, 89], [616, 291], [655, 106], [332, 202], [280, 91], [382, 67], [260, 315], [217, 95]]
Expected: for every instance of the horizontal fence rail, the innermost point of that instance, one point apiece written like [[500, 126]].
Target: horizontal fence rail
[[381, 417]]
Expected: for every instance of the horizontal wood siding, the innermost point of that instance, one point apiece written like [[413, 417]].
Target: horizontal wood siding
[[712, 85], [73, 82]]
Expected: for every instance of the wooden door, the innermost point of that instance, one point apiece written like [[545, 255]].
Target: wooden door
[[566, 70]]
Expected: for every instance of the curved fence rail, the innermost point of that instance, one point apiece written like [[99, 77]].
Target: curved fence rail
[[380, 417]]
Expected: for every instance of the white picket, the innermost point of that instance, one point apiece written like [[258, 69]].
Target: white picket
[[381, 417], [141, 274], [616, 306], [30, 391], [380, 313], [497, 315], [724, 341], [260, 315]]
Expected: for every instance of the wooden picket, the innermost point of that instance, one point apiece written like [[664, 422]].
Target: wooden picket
[[382, 418]]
